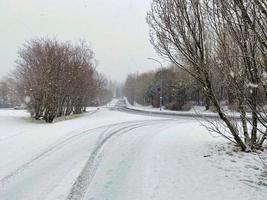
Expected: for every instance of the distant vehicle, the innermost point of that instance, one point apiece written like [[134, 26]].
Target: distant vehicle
[[20, 107]]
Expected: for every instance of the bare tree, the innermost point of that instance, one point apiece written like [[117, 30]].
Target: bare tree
[[130, 88], [183, 32], [104, 89], [8, 95], [56, 78]]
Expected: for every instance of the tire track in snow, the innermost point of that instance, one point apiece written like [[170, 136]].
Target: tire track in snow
[[84, 179], [77, 134]]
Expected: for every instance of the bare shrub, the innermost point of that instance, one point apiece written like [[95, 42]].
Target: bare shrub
[[55, 78]]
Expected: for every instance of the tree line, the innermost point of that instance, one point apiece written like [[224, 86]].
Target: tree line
[[179, 90], [218, 40], [55, 79], [8, 93]]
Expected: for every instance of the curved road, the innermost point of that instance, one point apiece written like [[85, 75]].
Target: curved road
[[141, 158]]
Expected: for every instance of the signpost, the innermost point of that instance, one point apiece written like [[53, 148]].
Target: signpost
[[160, 89]]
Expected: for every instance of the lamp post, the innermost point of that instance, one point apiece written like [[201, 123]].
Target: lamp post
[[161, 82]]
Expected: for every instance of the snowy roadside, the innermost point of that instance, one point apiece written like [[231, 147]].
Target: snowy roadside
[[198, 112], [120, 156], [175, 160], [22, 139], [42, 161], [250, 168]]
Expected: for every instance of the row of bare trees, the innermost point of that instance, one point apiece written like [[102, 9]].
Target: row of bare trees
[[227, 37], [8, 97], [179, 90], [57, 78]]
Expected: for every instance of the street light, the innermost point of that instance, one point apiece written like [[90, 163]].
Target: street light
[[161, 88]]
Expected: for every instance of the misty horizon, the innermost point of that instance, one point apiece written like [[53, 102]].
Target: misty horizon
[[119, 36]]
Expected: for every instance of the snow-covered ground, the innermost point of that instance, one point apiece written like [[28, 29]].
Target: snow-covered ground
[[110, 155], [194, 111]]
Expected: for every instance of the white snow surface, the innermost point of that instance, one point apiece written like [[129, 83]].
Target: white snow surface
[[110, 155], [194, 111]]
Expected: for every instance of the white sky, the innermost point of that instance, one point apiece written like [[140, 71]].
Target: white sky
[[116, 30]]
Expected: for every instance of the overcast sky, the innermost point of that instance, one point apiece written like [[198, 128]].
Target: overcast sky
[[116, 30]]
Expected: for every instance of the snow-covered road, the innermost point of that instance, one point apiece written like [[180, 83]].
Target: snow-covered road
[[111, 155]]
